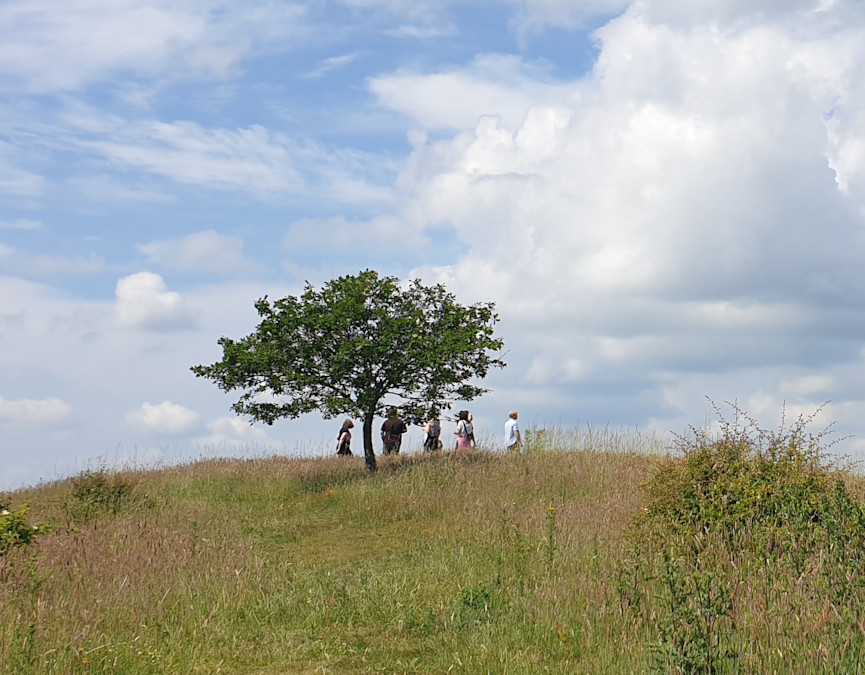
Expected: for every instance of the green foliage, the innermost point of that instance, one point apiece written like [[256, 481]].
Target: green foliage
[[750, 514], [347, 348], [97, 493], [15, 530]]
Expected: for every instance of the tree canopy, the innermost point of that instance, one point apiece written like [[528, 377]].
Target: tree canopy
[[356, 346]]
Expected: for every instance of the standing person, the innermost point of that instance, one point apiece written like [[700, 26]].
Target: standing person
[[465, 431], [513, 441], [433, 430], [343, 439], [391, 432]]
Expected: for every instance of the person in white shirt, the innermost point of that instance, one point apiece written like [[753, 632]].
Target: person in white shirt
[[465, 431], [513, 441]]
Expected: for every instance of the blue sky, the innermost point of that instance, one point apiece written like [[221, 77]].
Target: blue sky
[[665, 200]]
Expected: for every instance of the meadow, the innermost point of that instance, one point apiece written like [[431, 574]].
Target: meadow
[[591, 553]]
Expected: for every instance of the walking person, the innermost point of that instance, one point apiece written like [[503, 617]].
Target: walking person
[[465, 431], [433, 430], [343, 439], [391, 432], [513, 440]]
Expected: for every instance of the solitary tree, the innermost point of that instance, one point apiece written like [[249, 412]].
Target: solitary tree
[[355, 346]]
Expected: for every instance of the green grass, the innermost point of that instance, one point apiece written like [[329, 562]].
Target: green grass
[[472, 563]]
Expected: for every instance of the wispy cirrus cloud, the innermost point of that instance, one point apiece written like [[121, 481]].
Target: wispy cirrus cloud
[[29, 265], [65, 45], [268, 165], [329, 65], [23, 225]]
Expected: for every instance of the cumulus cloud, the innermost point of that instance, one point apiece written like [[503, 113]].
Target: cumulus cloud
[[36, 412], [234, 433], [165, 418], [206, 251], [687, 207], [144, 301]]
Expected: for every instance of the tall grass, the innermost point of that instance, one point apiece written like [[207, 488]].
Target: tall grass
[[471, 562]]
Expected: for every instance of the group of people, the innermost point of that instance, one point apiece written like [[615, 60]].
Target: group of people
[[393, 428]]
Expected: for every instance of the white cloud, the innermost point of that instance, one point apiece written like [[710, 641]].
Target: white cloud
[[535, 15], [308, 234], [206, 251], [22, 224], [102, 190], [235, 433], [809, 385], [15, 261], [163, 418], [37, 412], [14, 180], [494, 85], [270, 166], [331, 64], [252, 159], [143, 301], [672, 216], [56, 45], [684, 220]]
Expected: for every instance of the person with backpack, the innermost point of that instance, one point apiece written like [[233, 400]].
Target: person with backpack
[[343, 439], [391, 433], [465, 431], [433, 430]]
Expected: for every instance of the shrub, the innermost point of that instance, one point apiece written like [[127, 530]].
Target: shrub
[[15, 531], [750, 524], [97, 493]]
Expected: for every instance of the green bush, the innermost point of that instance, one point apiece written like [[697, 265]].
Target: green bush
[[738, 525], [97, 493], [15, 530]]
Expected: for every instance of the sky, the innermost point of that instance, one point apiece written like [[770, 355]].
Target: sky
[[665, 200]]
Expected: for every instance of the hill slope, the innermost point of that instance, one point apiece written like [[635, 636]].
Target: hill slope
[[734, 557]]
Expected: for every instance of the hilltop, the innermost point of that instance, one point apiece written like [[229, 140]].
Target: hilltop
[[563, 560]]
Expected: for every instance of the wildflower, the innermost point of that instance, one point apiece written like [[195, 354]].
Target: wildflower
[[4, 512]]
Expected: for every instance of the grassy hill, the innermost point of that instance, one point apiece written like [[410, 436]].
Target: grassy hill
[[737, 556]]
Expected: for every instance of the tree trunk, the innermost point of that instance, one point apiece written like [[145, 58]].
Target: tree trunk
[[368, 450]]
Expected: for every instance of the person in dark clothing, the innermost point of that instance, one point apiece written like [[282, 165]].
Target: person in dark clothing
[[391, 433], [343, 439]]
